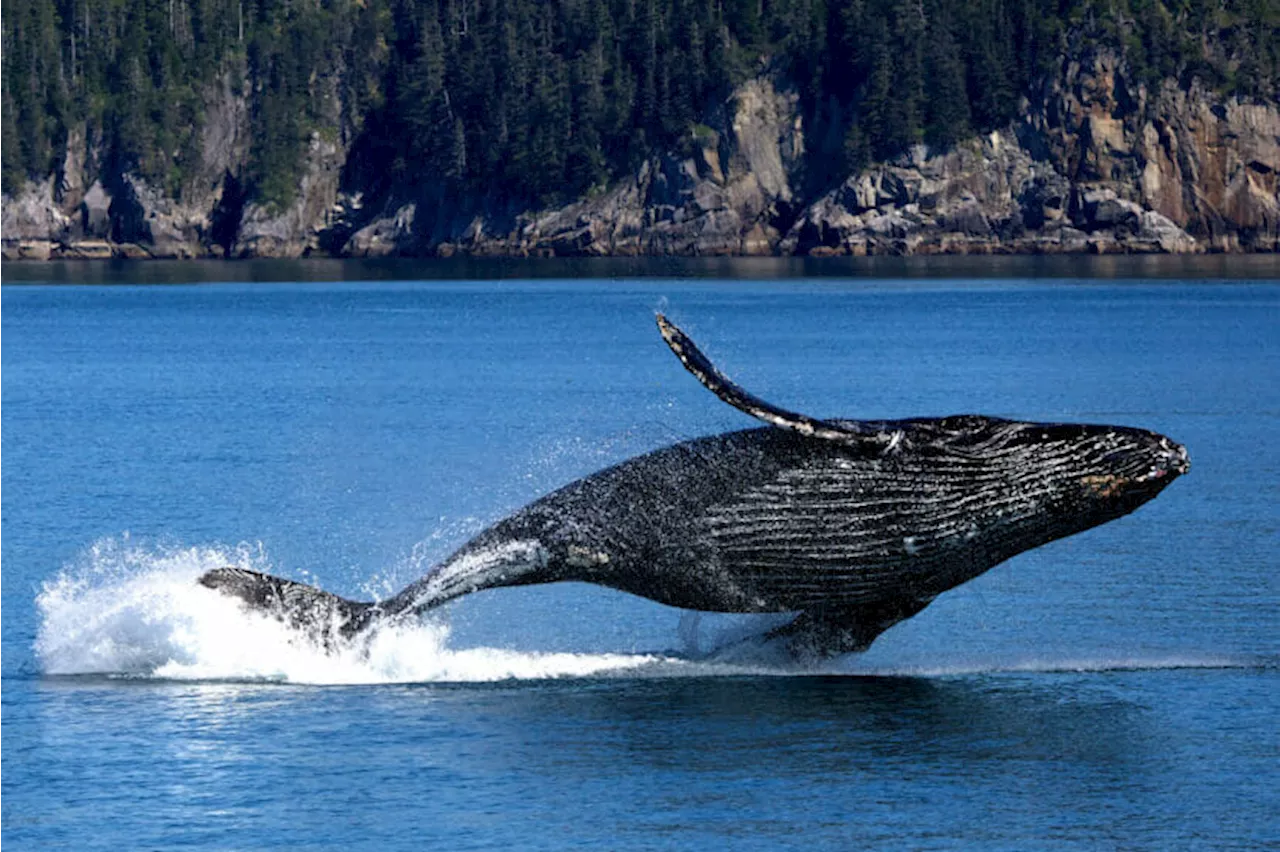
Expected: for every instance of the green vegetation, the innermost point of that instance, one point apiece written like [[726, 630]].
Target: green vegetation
[[541, 100]]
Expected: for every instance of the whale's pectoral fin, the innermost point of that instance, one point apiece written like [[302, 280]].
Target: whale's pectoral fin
[[700, 365], [830, 631], [323, 615]]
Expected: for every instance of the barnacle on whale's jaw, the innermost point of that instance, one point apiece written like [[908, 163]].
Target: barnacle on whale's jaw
[[1142, 474]]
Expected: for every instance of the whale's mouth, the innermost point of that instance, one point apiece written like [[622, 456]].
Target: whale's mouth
[[1134, 489], [1172, 463]]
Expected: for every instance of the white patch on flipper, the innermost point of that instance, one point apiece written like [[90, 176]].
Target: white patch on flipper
[[480, 569]]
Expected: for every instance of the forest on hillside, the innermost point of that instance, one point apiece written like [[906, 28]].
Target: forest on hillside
[[547, 100]]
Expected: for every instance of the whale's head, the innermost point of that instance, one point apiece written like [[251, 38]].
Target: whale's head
[[1060, 478], [1123, 467]]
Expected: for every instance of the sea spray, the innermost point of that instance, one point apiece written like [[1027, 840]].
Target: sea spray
[[126, 609]]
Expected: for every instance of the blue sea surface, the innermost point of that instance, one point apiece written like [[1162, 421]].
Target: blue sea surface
[[1117, 689]]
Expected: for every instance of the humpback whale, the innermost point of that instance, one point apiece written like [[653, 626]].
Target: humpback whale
[[852, 525]]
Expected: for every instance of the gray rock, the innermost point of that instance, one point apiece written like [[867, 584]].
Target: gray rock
[[87, 250], [17, 249], [34, 216], [1164, 234], [384, 236], [949, 201], [296, 230], [95, 212], [1100, 208]]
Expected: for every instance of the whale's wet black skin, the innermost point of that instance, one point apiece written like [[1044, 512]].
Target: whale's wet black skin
[[853, 525]]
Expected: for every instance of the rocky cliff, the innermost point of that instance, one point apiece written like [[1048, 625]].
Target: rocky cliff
[[86, 212], [723, 192], [1095, 163]]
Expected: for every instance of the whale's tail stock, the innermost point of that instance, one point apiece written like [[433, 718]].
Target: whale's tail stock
[[323, 616], [327, 618]]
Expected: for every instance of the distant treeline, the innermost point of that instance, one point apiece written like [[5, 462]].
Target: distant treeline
[[542, 100]]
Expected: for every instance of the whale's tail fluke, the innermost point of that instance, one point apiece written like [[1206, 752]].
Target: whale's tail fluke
[[322, 615]]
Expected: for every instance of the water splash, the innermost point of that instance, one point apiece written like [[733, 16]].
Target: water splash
[[132, 610]]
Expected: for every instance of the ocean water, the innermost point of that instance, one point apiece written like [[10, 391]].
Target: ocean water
[[1118, 689]]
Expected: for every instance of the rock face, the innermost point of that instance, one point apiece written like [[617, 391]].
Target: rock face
[[986, 196], [1095, 163], [724, 192], [33, 224], [84, 212], [297, 230], [1097, 166], [1207, 165]]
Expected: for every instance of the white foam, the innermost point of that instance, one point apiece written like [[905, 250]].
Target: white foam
[[129, 610], [137, 611]]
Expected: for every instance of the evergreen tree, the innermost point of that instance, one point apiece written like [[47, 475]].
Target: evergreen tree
[[946, 108], [13, 169], [539, 101]]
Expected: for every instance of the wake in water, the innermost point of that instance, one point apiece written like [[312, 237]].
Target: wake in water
[[134, 611]]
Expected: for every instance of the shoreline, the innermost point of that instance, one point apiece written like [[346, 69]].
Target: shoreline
[[1256, 267]]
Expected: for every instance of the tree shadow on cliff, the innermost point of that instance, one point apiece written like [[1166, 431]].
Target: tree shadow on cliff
[[224, 222], [126, 214]]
